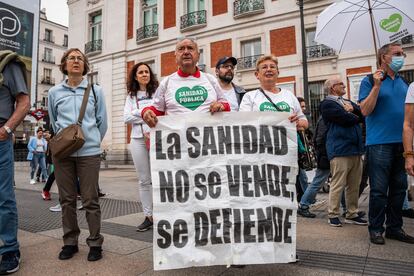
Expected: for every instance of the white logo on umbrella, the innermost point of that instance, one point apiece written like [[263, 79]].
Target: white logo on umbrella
[[9, 23]]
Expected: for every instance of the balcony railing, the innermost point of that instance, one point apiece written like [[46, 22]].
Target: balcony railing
[[49, 38], [247, 62], [407, 40], [94, 46], [193, 20], [48, 59], [248, 7], [319, 51], [47, 80], [147, 33]]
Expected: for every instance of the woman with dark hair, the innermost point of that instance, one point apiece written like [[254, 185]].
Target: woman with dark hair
[[142, 84], [64, 105]]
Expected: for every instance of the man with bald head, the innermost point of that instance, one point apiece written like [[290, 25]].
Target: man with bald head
[[187, 90], [344, 146]]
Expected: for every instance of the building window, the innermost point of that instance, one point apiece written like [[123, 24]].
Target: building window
[[95, 29], [310, 37], [315, 50], [44, 99], [47, 77], [49, 35], [201, 63], [407, 75], [48, 56], [65, 40], [196, 15], [251, 50], [195, 5], [149, 12], [149, 29], [95, 33], [316, 95]]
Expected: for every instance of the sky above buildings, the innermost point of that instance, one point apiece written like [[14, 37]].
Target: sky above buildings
[[56, 11]]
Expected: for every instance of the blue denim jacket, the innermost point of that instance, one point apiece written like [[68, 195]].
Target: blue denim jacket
[[31, 146], [64, 103]]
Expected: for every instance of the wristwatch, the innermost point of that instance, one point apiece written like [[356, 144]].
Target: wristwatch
[[8, 130], [408, 154]]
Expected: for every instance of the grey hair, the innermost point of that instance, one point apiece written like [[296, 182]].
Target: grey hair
[[328, 85], [192, 39], [385, 49]]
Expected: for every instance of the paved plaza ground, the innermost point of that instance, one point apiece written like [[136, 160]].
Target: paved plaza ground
[[322, 250]]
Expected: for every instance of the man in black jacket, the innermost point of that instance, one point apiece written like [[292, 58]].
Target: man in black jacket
[[344, 146]]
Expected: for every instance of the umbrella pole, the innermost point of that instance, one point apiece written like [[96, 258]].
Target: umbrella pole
[[373, 31]]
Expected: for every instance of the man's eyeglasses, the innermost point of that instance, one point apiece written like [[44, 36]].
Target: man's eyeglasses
[[228, 66], [75, 58]]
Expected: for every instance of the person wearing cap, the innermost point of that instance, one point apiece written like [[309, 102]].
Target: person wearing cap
[[187, 90], [225, 74]]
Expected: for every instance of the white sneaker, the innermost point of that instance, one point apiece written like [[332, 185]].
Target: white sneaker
[[32, 181], [56, 208]]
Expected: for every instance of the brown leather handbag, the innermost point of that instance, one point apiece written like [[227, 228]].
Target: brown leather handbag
[[71, 138]]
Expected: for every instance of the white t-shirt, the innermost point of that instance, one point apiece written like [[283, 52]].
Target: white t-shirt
[[410, 94], [285, 100], [231, 98], [132, 113], [40, 145], [177, 95]]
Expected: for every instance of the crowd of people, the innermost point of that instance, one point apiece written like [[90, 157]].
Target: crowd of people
[[342, 152]]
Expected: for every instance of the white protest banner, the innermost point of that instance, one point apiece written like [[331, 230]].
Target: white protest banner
[[224, 189]]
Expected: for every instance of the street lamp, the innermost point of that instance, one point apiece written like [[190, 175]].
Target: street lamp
[[304, 55]]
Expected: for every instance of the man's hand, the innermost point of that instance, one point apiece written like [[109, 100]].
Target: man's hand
[[150, 118], [3, 134], [348, 107], [216, 107], [378, 75], [409, 165]]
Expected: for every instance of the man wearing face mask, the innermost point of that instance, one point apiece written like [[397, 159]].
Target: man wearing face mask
[[225, 74], [382, 97]]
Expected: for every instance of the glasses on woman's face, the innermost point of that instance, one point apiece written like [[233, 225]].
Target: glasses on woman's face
[[75, 58], [266, 67]]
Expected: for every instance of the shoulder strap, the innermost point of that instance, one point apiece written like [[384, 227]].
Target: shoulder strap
[[94, 94], [270, 100], [84, 103]]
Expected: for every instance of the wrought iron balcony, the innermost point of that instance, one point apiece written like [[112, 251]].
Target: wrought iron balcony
[[94, 46], [319, 51], [48, 80], [148, 32], [193, 20], [48, 59], [407, 40], [247, 62], [248, 7]]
